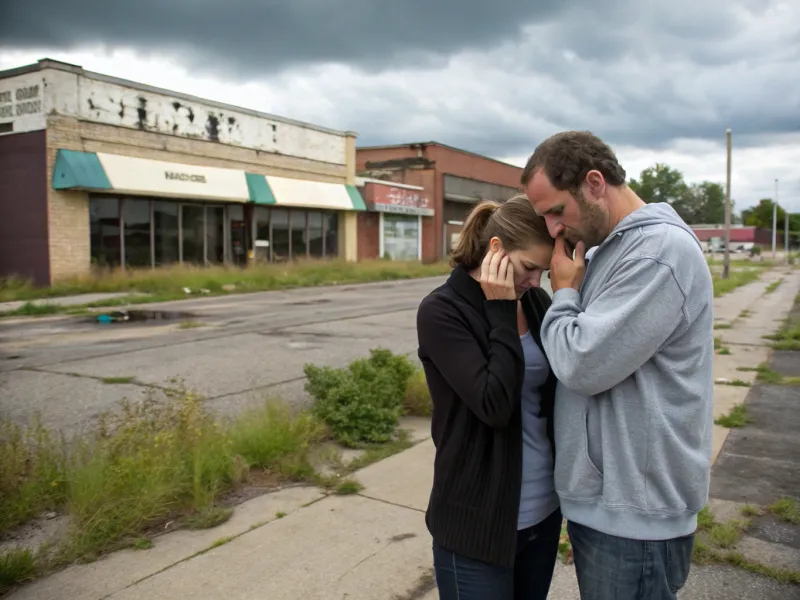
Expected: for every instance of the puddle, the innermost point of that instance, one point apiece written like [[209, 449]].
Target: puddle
[[139, 316]]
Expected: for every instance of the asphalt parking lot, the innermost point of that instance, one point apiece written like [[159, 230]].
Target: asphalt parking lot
[[235, 350]]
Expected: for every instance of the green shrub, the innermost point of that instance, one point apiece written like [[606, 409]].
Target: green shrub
[[363, 402], [417, 401]]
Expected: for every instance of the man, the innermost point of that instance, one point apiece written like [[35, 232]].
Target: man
[[631, 342]]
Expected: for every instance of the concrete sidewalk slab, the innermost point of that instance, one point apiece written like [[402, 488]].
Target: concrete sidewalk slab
[[340, 547], [120, 570], [78, 300], [404, 479]]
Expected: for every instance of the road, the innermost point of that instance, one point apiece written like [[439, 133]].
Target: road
[[235, 350]]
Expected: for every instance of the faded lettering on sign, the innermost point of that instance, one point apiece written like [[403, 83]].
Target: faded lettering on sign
[[192, 177], [24, 101]]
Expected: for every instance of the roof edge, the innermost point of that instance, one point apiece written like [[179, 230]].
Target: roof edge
[[441, 145], [48, 63]]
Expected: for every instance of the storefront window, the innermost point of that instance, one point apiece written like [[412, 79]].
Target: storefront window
[[104, 231], [298, 218], [331, 234], [280, 235], [238, 235], [193, 230], [215, 234], [315, 240], [136, 223], [400, 237], [165, 231]]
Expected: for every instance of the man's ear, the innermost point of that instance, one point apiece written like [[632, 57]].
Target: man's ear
[[495, 244], [596, 184]]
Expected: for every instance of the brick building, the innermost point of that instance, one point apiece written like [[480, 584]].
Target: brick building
[[96, 170], [742, 237], [452, 181]]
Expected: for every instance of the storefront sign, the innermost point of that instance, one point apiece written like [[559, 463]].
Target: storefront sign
[[398, 200], [157, 178], [399, 209]]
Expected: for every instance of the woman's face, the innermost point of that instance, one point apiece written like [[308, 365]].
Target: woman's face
[[529, 265]]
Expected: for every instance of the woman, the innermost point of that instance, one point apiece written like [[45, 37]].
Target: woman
[[493, 512]]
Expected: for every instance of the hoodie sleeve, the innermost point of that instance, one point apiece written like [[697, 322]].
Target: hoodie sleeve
[[595, 349]]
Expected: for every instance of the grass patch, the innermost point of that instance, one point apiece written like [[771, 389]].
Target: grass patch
[[717, 343], [273, 438], [714, 543], [786, 509], [725, 351], [16, 566], [348, 487], [363, 402], [378, 452], [773, 286], [725, 535], [766, 374], [117, 380], [722, 325], [786, 338], [748, 510], [33, 309], [280, 514], [737, 383], [738, 417], [208, 518], [736, 279], [142, 544], [168, 283], [33, 466], [221, 542], [159, 459], [417, 399], [190, 325]]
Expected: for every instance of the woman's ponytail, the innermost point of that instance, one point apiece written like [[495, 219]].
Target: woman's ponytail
[[469, 249]]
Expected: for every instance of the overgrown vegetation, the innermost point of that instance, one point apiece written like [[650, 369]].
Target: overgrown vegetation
[[363, 402], [16, 566], [738, 417], [716, 543], [773, 286], [168, 283], [787, 510], [788, 336], [766, 374], [737, 278], [168, 459]]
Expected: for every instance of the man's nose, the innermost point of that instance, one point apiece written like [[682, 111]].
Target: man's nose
[[554, 226]]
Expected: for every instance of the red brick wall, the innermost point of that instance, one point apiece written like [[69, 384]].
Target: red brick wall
[[368, 235], [447, 161], [24, 248]]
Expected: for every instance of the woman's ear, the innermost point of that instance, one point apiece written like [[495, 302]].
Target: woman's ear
[[495, 244]]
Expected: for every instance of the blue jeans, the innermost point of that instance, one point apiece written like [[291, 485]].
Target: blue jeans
[[614, 568], [462, 578]]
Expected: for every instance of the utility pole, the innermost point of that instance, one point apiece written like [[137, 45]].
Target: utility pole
[[726, 263], [775, 220]]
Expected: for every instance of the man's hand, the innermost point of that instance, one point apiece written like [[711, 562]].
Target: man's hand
[[566, 272]]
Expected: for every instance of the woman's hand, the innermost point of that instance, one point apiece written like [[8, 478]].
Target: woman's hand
[[497, 276]]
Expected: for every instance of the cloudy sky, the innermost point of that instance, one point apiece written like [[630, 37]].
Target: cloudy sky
[[660, 81]]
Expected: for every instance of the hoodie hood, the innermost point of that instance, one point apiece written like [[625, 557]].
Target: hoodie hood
[[655, 213]]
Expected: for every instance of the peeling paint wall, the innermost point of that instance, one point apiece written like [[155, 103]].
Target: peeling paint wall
[[76, 95], [22, 104]]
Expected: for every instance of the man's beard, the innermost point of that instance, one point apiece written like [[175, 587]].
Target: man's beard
[[593, 225]]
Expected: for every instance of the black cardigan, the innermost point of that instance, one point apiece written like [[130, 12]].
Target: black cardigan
[[474, 365]]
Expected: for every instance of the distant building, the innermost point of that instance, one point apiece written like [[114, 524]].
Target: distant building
[[96, 170], [449, 182], [742, 236]]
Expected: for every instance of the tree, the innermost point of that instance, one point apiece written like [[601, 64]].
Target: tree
[[659, 183], [697, 203], [702, 203], [761, 215]]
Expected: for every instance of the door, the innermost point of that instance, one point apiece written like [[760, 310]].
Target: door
[[215, 235], [193, 234]]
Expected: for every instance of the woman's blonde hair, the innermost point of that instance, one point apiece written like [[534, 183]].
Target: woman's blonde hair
[[514, 221]]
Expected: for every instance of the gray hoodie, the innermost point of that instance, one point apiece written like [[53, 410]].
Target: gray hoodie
[[633, 352]]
